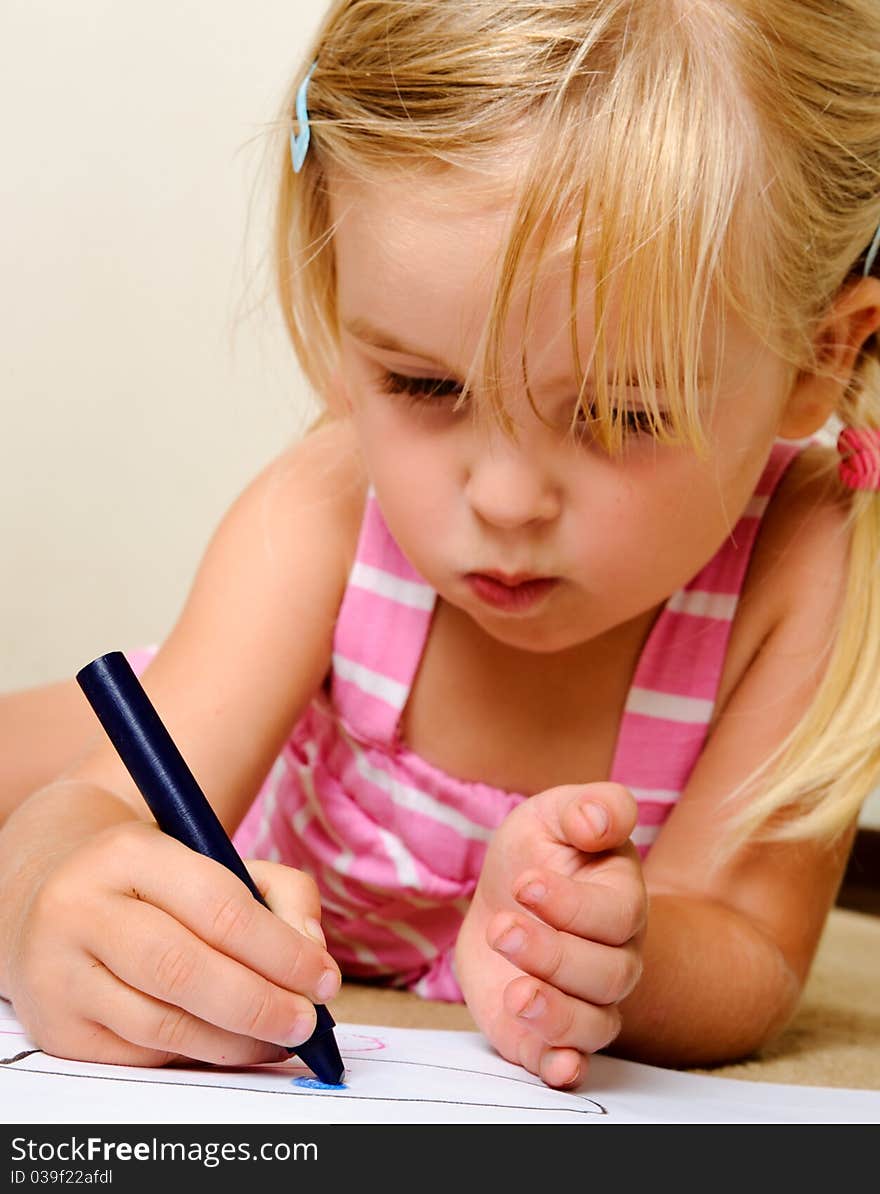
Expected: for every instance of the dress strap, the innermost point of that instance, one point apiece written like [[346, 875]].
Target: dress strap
[[380, 633], [672, 698]]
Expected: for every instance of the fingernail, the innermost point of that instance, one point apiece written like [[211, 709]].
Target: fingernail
[[575, 1076], [328, 985], [303, 1027], [536, 1006], [511, 941], [532, 893], [567, 1078], [596, 816], [312, 929]]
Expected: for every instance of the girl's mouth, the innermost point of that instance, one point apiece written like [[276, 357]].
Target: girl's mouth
[[514, 593]]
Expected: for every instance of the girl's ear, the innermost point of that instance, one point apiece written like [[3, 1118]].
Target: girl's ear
[[853, 317]]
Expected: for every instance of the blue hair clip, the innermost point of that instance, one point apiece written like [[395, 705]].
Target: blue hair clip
[[872, 253], [299, 142]]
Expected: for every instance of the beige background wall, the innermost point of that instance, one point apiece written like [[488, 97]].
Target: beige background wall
[[135, 400], [137, 395]]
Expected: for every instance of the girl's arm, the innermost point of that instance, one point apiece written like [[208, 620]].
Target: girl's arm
[[42, 731], [562, 953], [253, 642], [726, 955], [249, 650]]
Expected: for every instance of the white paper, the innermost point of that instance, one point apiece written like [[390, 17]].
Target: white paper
[[397, 1075]]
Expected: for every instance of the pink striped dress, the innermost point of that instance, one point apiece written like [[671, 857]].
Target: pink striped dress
[[396, 845]]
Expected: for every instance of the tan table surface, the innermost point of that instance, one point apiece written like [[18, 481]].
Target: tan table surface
[[833, 1039]]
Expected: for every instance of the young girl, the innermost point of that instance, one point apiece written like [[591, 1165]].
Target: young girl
[[557, 642]]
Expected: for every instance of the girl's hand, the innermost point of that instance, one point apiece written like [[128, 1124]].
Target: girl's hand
[[135, 950], [551, 942]]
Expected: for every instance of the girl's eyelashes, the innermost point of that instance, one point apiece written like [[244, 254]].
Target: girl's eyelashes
[[639, 422], [420, 389], [635, 420]]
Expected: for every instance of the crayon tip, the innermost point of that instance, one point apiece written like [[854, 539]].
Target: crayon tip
[[321, 1055]]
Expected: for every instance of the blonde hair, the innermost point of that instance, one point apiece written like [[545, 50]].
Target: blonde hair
[[752, 130]]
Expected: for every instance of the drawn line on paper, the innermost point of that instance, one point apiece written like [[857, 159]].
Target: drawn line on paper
[[591, 1107], [454, 1069]]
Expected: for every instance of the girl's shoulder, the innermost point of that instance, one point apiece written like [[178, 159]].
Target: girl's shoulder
[[797, 574], [253, 641], [800, 556], [288, 540], [323, 474]]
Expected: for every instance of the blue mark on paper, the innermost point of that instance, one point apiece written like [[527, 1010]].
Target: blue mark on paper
[[317, 1084]]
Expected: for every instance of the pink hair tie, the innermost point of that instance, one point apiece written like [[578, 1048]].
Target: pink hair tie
[[859, 458]]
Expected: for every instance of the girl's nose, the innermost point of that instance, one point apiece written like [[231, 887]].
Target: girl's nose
[[508, 488]]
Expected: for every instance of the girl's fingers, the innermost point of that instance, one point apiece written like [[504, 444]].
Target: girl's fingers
[[216, 906], [85, 1040], [562, 1068], [587, 970], [149, 951], [592, 817], [611, 913], [558, 1021], [137, 1029], [291, 894], [516, 1042], [559, 1068]]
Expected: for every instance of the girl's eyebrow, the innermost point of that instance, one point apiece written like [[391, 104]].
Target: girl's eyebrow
[[362, 329]]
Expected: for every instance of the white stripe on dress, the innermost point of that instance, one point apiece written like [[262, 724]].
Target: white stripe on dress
[[395, 588], [650, 703], [414, 800], [656, 795], [263, 836], [702, 604], [343, 861], [403, 862], [407, 933], [645, 835], [412, 900], [301, 819], [365, 956], [372, 683]]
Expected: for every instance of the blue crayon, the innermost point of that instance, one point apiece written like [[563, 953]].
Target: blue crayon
[[178, 804]]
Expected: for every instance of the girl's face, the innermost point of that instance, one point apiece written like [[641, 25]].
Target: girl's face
[[544, 540]]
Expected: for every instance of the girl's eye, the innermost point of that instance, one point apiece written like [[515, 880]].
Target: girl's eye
[[635, 421], [420, 389]]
